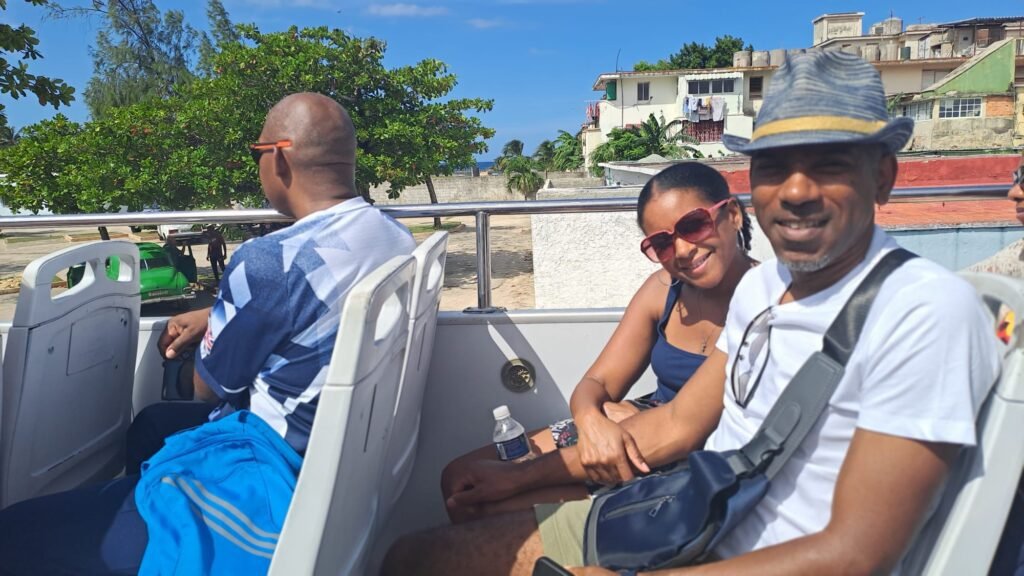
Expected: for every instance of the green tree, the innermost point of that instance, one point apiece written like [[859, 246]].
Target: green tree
[[653, 136], [189, 150], [521, 176], [693, 55], [511, 149], [222, 33], [544, 155], [21, 45], [568, 152], [140, 53]]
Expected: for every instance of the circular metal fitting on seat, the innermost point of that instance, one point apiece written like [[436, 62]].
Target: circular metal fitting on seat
[[518, 376]]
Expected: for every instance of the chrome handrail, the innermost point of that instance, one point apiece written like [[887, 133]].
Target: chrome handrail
[[481, 211]]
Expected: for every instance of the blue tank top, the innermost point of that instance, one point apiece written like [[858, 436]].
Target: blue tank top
[[673, 366]]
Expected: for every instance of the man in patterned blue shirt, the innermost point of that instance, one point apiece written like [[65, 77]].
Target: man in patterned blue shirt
[[265, 344]]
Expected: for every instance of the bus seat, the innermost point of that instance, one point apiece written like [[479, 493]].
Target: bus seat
[[68, 372], [962, 534], [426, 300], [334, 513]]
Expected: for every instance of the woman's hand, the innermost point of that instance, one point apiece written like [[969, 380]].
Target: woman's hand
[[619, 411], [606, 450]]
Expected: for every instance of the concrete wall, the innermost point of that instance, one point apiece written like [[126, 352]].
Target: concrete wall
[[1018, 136], [962, 133], [901, 79], [604, 266], [469, 189], [592, 138]]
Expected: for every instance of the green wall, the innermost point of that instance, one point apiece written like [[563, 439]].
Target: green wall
[[990, 74]]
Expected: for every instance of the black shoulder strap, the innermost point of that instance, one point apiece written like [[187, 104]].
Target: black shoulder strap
[[805, 398]]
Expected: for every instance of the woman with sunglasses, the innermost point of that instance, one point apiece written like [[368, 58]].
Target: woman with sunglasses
[[700, 235], [1010, 260]]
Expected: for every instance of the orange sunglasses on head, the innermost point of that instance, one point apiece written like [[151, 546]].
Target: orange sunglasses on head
[[258, 149]]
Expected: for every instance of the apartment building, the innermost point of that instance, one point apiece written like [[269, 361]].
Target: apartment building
[[962, 81]]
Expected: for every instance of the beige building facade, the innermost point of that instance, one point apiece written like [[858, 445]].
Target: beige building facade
[[961, 81]]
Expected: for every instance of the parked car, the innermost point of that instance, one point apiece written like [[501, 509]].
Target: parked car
[[178, 232], [159, 279]]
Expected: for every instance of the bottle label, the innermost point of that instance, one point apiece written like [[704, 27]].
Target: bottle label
[[513, 449]]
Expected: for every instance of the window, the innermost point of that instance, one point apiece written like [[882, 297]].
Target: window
[[929, 77], [643, 91], [918, 110], [706, 130], [960, 108], [721, 86], [154, 262], [756, 86]]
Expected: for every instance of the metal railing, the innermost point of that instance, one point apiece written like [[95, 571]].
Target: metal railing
[[481, 211]]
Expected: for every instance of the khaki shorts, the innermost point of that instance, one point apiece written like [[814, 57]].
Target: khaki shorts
[[561, 530]]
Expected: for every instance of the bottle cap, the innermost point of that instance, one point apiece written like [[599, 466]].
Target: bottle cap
[[501, 412]]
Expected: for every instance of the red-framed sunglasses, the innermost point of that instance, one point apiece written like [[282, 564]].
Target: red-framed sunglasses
[[260, 148], [695, 226]]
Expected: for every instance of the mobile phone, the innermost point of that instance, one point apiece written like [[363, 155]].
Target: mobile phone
[[547, 567]]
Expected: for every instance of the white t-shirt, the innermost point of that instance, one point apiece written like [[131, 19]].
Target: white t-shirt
[[921, 369]]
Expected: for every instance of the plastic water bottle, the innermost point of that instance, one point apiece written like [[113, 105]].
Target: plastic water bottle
[[510, 437]]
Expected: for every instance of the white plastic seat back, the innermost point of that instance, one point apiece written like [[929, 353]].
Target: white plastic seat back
[[68, 373], [426, 299], [962, 535], [334, 512]]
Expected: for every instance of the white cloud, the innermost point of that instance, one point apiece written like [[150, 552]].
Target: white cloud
[[484, 23], [405, 10]]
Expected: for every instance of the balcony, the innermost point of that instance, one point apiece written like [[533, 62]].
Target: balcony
[[706, 130]]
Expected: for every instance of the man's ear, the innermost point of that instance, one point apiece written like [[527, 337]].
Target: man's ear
[[888, 167], [282, 169]]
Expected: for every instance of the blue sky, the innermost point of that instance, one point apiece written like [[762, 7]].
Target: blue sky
[[537, 59]]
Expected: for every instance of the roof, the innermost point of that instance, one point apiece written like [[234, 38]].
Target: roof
[[952, 212], [982, 21], [834, 14], [603, 77]]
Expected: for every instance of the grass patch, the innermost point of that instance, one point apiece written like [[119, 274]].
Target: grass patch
[[446, 226]]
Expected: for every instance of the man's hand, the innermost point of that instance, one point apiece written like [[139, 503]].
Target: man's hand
[[607, 452], [483, 482], [182, 331]]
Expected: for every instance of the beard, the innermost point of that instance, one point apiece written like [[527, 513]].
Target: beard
[[804, 266]]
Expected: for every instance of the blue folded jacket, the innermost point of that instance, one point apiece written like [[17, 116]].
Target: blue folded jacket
[[215, 498]]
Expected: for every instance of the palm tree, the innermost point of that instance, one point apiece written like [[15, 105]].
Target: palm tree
[[568, 152], [511, 149], [659, 138], [544, 155], [521, 176]]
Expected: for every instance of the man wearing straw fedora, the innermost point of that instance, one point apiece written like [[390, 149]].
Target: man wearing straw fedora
[[852, 495]]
